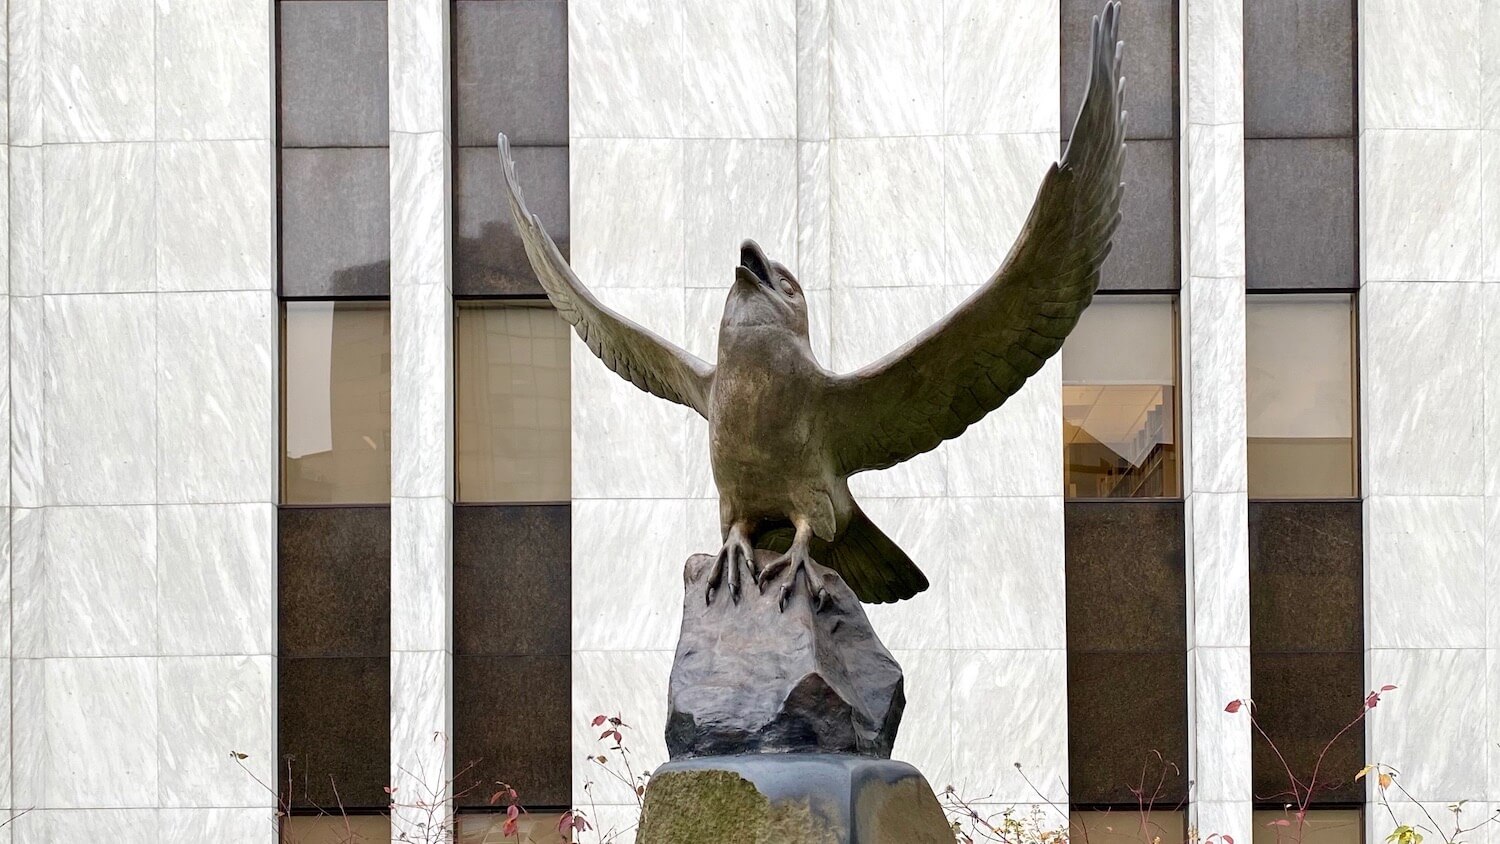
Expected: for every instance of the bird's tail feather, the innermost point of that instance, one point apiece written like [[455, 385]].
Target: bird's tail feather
[[874, 567]]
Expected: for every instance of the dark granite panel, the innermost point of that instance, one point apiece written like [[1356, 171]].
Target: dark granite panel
[[512, 579], [333, 720], [1123, 710], [1145, 253], [1126, 586], [1302, 701], [512, 721], [1300, 214], [511, 71], [333, 78], [1306, 576], [334, 584], [1299, 69], [1148, 30], [335, 222], [491, 259]]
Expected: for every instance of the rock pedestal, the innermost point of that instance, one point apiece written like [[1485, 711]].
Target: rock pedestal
[[780, 727]]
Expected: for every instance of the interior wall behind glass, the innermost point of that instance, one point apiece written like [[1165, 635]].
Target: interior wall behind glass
[[336, 403], [514, 410]]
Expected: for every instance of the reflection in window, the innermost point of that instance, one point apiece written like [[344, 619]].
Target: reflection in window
[[1299, 388], [514, 440], [1120, 399], [1321, 826], [489, 829], [1128, 826], [336, 403], [333, 829]]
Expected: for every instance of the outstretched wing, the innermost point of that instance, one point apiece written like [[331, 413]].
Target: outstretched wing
[[634, 353], [973, 359]]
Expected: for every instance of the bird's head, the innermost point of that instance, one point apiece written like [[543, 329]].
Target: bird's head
[[765, 293]]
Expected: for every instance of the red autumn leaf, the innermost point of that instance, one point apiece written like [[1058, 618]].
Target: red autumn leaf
[[1228, 839], [513, 812], [1387, 688], [390, 790], [606, 734], [509, 830], [495, 798], [1234, 706], [1280, 822], [1372, 699], [598, 720], [618, 737]]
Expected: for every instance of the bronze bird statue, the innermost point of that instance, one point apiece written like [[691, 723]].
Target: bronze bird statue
[[786, 434]]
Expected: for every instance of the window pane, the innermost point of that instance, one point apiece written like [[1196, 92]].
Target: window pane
[[514, 417], [1322, 826], [1120, 399], [354, 829], [1128, 826], [336, 403], [1299, 387], [489, 829]]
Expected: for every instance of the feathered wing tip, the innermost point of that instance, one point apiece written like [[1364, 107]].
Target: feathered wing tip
[[873, 565]]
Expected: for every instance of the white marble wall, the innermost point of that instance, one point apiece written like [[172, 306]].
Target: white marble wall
[[1430, 343], [421, 411], [141, 458], [887, 150], [1213, 400]]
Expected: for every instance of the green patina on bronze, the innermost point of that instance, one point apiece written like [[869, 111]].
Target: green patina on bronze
[[689, 807]]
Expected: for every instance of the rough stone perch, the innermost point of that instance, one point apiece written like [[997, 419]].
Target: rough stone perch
[[751, 678]]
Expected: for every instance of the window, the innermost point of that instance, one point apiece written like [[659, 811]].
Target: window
[[1300, 389], [332, 829], [336, 403], [489, 829], [1166, 825], [1321, 826], [1120, 400], [514, 425]]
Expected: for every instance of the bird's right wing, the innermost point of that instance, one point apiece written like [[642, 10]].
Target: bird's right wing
[[634, 353]]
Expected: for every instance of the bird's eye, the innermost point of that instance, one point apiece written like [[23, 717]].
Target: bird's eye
[[786, 287]]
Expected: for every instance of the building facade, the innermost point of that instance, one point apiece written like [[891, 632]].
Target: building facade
[[311, 504]]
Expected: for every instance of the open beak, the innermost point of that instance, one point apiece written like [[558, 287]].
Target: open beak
[[754, 270]]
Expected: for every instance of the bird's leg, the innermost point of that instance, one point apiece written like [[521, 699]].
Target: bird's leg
[[737, 548], [798, 559]]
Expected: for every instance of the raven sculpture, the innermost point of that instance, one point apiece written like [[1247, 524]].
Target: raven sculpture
[[786, 434]]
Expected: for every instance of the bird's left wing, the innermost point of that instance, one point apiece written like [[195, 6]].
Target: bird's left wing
[[981, 353], [634, 353]]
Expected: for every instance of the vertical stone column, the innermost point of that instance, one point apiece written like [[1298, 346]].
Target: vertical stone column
[[1430, 342], [421, 412], [1213, 383]]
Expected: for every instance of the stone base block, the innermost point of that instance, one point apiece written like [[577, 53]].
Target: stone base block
[[791, 798]]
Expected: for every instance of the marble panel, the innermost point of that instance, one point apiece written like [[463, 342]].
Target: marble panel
[[989, 186], [1216, 200], [886, 68], [421, 391], [98, 71], [738, 189], [30, 763], [26, 239], [1010, 724], [421, 579], [926, 736], [1423, 428], [1213, 49], [1214, 322], [27, 592], [98, 709], [887, 207], [209, 707], [1220, 755], [99, 226], [216, 579], [126, 826], [216, 397], [628, 212], [213, 70], [628, 443], [1231, 818], [1420, 64], [1001, 66], [25, 119], [625, 71], [421, 764], [1218, 531], [1006, 581], [421, 204], [814, 68], [1431, 726], [1017, 449], [740, 69], [633, 686], [1421, 205], [215, 217], [1426, 553], [26, 370], [638, 609], [927, 529], [98, 580], [190, 826], [418, 65], [814, 215]]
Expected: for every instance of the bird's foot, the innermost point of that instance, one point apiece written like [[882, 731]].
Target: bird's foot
[[797, 564], [737, 549]]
